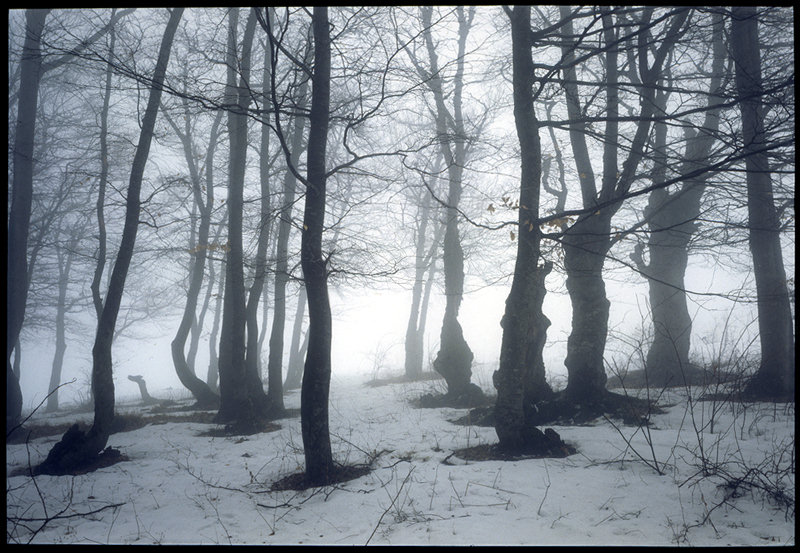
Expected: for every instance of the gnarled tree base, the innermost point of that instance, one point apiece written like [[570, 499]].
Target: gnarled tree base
[[76, 454], [539, 445], [470, 396]]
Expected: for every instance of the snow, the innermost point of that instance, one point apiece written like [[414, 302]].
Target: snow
[[180, 488]]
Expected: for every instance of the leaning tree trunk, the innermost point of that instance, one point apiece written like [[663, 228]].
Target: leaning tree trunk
[[205, 396], [317, 373], [294, 373], [21, 199], [524, 324], [76, 448], [775, 376]]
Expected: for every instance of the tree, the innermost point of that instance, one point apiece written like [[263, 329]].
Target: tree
[[524, 324], [425, 261], [77, 448], [21, 198], [272, 403], [587, 241], [236, 402], [775, 376], [199, 251], [317, 372], [65, 258], [275, 361], [454, 359], [672, 219]]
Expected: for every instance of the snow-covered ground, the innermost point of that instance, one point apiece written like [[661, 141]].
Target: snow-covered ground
[[180, 488]]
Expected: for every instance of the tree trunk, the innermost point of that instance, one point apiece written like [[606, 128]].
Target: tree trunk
[[415, 329], [272, 402], [294, 374], [454, 360], [205, 396], [64, 268], [97, 299], [75, 448], [236, 389], [775, 376], [275, 363], [671, 218], [317, 373], [21, 198], [212, 378], [524, 324], [587, 241]]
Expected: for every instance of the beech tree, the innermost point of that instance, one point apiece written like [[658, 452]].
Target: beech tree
[[775, 376], [77, 448], [671, 216], [240, 395], [587, 241], [454, 359], [21, 197], [198, 251], [524, 324]]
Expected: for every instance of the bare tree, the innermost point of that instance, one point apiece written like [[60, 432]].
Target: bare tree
[[21, 198], [237, 405], [77, 448], [524, 324], [672, 220], [587, 241], [775, 376]]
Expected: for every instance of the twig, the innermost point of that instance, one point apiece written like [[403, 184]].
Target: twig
[[394, 500]]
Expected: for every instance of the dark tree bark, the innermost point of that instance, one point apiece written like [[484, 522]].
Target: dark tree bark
[[671, 218], [21, 199], [97, 299], [76, 448], [237, 391], [524, 324], [775, 376], [270, 404], [317, 373]]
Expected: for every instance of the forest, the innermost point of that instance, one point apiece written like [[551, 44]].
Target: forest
[[428, 262]]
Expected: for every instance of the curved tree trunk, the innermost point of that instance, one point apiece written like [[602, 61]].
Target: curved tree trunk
[[77, 448], [205, 396]]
